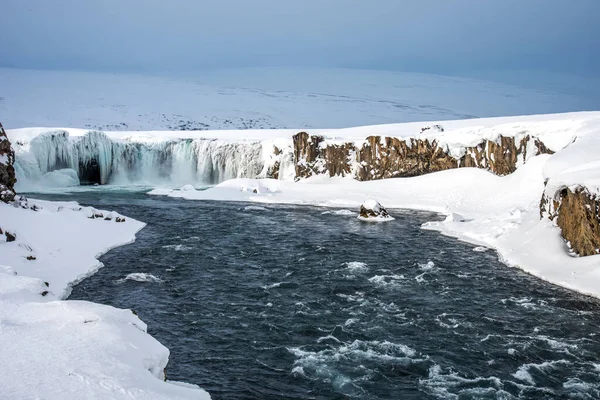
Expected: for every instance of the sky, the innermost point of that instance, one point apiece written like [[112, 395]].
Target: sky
[[458, 37]]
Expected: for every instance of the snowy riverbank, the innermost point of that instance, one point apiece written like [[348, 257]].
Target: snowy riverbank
[[498, 212], [65, 349], [485, 209]]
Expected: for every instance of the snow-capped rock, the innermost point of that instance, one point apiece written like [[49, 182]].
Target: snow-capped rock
[[371, 210]]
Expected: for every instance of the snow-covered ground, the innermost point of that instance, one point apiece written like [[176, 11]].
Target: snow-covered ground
[[57, 349], [265, 98]]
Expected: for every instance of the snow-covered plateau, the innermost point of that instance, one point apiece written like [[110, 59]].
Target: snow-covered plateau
[[498, 199]]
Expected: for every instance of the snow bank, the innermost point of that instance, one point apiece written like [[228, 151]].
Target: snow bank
[[577, 165], [69, 349]]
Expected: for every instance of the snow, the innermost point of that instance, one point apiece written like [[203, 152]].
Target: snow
[[63, 348], [266, 98], [576, 165], [372, 205]]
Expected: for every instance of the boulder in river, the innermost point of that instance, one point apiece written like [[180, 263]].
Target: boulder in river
[[371, 210]]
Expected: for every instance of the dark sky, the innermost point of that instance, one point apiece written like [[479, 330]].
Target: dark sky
[[179, 36]]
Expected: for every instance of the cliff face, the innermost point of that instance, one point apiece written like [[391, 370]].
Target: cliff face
[[577, 214], [503, 157], [7, 171], [389, 157]]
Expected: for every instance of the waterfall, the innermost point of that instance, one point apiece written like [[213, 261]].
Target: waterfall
[[94, 158]]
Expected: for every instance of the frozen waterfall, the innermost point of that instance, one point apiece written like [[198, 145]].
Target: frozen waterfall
[[56, 158]]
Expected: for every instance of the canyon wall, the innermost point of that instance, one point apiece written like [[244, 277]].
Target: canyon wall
[[389, 157], [7, 171], [577, 214]]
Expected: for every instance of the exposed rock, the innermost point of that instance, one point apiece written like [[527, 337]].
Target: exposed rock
[[436, 127], [502, 158], [273, 171], [7, 171], [10, 237], [389, 157], [371, 210], [577, 214], [306, 154], [31, 258]]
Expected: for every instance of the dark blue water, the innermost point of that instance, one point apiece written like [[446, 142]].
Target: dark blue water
[[302, 303]]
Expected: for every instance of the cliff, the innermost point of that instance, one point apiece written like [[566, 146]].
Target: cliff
[[577, 214], [7, 171], [388, 157]]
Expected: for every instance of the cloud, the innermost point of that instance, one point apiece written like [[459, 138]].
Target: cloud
[[185, 35]]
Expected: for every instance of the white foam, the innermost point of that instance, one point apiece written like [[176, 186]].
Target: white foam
[[272, 286], [387, 280], [339, 212], [177, 247], [523, 372], [357, 266], [255, 208], [427, 266], [140, 277]]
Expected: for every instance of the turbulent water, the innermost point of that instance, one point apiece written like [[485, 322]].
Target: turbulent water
[[308, 303]]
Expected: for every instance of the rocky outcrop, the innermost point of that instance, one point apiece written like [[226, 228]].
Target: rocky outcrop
[[371, 210], [7, 171], [577, 214], [502, 157], [388, 157]]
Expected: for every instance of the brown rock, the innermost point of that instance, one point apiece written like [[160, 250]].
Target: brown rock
[[577, 214], [7, 171], [389, 157], [501, 158], [10, 237]]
